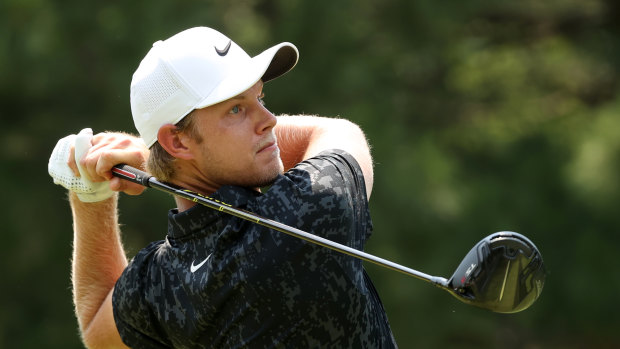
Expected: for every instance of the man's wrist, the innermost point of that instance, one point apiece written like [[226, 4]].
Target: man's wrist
[[75, 200]]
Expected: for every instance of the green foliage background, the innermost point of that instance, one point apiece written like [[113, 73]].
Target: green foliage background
[[483, 116]]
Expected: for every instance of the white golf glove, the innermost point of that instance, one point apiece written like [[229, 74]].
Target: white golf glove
[[86, 190]]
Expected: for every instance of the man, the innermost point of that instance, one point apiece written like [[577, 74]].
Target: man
[[218, 281]]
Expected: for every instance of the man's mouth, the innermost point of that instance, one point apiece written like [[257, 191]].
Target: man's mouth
[[269, 146]]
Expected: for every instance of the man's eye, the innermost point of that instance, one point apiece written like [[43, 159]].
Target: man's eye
[[261, 99], [234, 110]]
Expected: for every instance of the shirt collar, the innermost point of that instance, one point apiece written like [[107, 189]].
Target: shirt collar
[[203, 220]]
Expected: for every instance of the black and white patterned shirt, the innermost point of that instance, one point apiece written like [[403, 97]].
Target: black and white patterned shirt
[[218, 281]]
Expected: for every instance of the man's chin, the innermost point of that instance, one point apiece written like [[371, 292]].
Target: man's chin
[[267, 178]]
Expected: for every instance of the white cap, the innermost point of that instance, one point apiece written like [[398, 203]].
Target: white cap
[[194, 69]]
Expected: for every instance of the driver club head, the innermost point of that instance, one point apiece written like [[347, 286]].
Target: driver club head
[[503, 273]]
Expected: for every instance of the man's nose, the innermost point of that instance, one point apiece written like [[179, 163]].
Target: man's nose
[[265, 119]]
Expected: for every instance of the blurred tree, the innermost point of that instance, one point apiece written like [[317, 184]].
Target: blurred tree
[[482, 116]]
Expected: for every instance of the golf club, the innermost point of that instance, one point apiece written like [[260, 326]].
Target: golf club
[[504, 272]]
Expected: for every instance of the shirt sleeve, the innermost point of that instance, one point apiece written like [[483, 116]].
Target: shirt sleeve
[[136, 323], [326, 196]]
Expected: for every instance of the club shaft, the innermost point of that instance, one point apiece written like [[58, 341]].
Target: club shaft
[[140, 177]]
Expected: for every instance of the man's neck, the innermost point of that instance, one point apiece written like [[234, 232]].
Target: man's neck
[[183, 204]]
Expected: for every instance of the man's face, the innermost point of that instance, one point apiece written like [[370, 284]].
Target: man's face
[[239, 145]]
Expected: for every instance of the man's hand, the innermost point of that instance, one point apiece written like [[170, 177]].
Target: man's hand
[[90, 177]]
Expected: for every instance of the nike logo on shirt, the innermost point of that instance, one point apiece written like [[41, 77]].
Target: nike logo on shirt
[[193, 267]]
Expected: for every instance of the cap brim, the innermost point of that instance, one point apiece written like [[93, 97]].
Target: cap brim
[[268, 65], [284, 59]]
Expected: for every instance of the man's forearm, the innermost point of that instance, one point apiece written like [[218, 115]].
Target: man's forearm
[[293, 139], [98, 255], [301, 137]]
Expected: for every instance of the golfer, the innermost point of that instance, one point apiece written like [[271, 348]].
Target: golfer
[[217, 281]]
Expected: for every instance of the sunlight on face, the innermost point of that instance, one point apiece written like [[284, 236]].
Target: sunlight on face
[[239, 145]]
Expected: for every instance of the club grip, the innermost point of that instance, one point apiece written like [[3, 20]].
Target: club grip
[[131, 174]]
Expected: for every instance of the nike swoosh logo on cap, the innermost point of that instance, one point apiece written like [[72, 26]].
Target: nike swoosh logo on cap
[[224, 51], [193, 267]]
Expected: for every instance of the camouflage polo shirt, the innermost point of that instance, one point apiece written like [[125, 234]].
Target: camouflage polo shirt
[[218, 281]]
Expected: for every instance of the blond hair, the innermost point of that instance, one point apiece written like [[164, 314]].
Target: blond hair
[[160, 163]]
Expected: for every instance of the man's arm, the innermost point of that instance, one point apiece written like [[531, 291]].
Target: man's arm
[[302, 137], [98, 261], [98, 254]]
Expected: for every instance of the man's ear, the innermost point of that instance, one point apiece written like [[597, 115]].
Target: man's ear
[[174, 142]]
